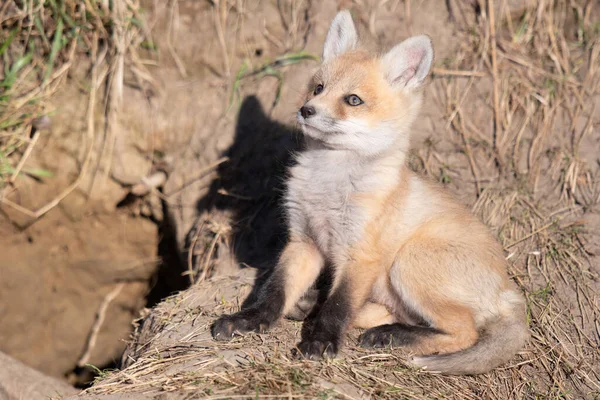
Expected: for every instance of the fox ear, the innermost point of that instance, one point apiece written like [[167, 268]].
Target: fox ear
[[341, 37], [408, 63]]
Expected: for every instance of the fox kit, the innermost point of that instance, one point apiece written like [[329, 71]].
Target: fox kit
[[409, 264]]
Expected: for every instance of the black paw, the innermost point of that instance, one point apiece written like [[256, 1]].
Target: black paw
[[226, 327], [395, 335], [379, 336], [317, 349]]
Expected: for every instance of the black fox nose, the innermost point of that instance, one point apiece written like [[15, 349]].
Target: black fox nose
[[307, 111]]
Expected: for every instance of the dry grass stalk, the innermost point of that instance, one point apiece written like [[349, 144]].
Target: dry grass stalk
[[100, 317], [496, 82], [172, 30], [448, 72], [221, 11], [26, 154]]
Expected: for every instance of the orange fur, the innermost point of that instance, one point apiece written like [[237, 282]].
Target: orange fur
[[302, 263], [371, 315], [357, 73], [427, 277]]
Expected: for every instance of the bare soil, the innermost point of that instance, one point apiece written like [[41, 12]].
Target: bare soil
[[18, 381]]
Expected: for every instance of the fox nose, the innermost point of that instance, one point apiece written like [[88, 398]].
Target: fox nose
[[307, 111]]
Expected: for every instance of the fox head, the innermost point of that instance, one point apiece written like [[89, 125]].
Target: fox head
[[362, 102]]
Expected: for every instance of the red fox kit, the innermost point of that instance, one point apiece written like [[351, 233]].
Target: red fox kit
[[409, 264]]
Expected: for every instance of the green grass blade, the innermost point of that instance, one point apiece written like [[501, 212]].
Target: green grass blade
[[38, 172], [11, 76], [56, 47], [268, 69], [9, 123], [235, 88], [60, 12], [293, 58], [38, 24], [8, 41]]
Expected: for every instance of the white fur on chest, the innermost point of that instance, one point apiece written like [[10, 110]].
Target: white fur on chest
[[320, 202]]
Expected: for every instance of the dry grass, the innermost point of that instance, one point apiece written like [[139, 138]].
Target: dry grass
[[521, 153], [42, 41]]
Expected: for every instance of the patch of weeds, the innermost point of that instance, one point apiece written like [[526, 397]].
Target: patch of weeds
[[38, 46], [326, 394], [522, 29], [543, 293], [271, 68], [299, 378], [444, 177], [100, 373], [149, 45]]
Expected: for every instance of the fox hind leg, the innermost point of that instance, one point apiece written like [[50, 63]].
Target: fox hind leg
[[450, 325], [372, 315]]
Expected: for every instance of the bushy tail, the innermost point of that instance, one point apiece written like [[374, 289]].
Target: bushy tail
[[497, 344]]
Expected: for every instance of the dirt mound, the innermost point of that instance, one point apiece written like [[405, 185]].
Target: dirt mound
[[18, 381]]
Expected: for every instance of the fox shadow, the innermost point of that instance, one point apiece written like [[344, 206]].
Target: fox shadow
[[250, 188]]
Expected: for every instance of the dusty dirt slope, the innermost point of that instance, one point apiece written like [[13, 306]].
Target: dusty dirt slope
[[18, 381], [84, 257], [49, 299], [509, 126]]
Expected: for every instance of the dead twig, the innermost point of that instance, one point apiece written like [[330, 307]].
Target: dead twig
[[203, 172], [26, 154], [100, 317], [220, 16], [543, 228], [469, 152], [450, 72], [173, 24], [497, 125]]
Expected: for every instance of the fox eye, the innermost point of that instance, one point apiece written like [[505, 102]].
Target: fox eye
[[353, 100], [318, 89]]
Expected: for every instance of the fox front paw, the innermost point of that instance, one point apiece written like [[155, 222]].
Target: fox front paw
[[317, 349], [226, 327]]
